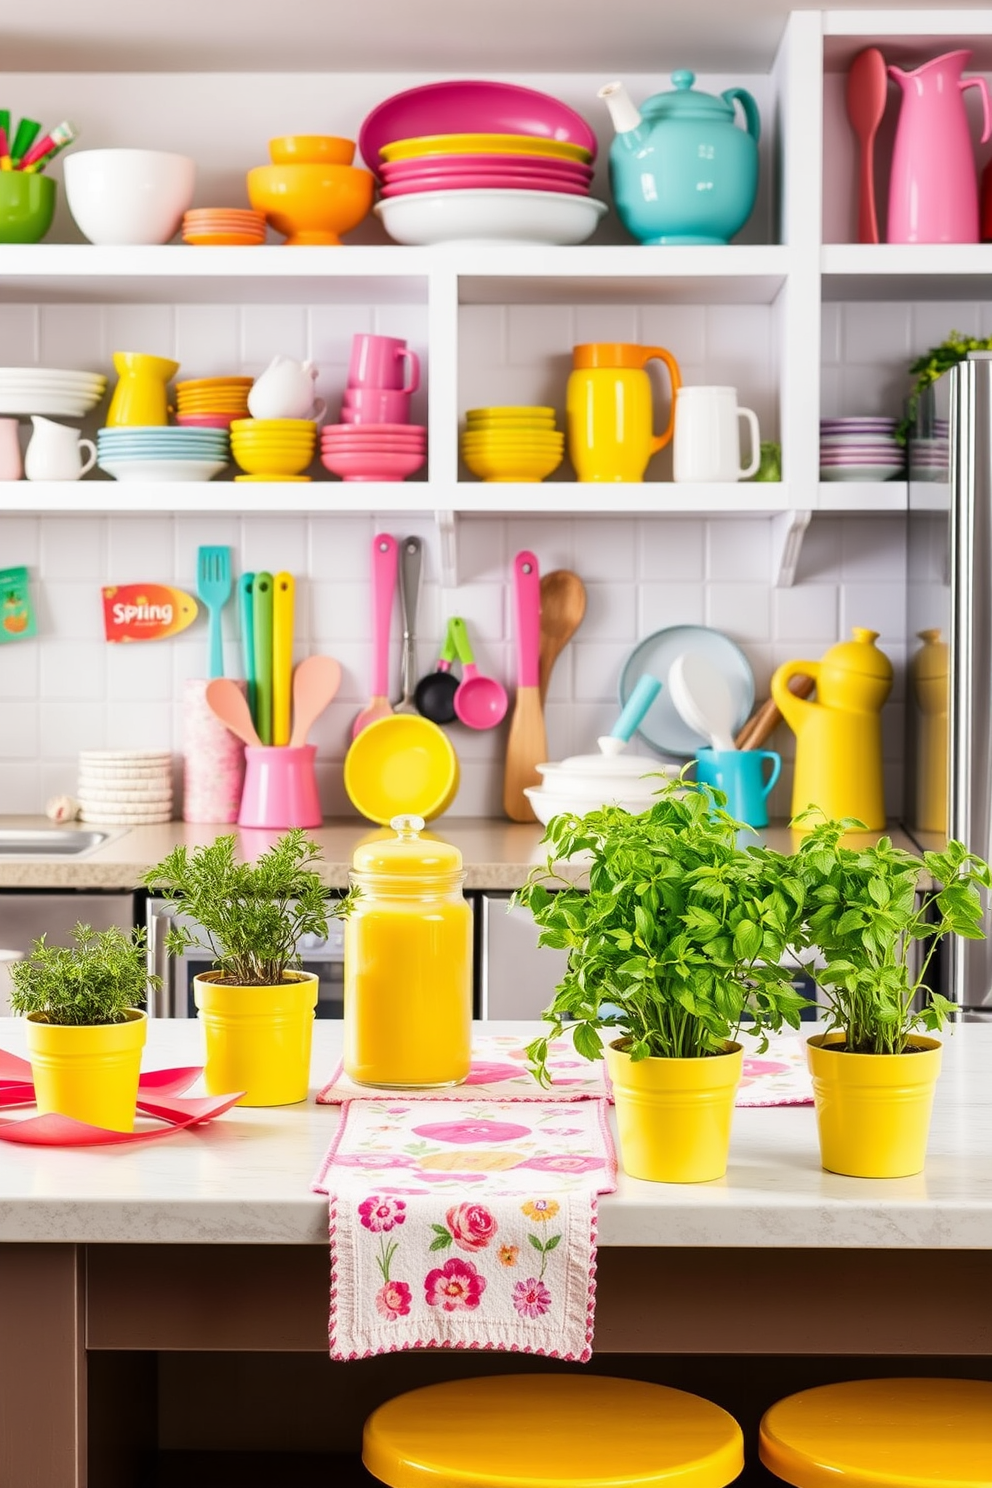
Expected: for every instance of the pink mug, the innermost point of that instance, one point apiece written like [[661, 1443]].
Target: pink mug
[[375, 405], [383, 362]]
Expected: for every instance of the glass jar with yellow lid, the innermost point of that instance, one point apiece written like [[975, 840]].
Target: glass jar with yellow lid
[[407, 962]]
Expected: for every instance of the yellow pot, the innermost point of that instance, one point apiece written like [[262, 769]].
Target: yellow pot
[[90, 1072], [258, 1038], [873, 1110], [674, 1115]]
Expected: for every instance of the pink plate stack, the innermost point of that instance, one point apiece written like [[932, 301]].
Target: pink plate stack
[[373, 452], [929, 455], [860, 449]]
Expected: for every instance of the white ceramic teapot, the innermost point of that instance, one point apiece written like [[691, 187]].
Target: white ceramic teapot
[[285, 390], [55, 452]]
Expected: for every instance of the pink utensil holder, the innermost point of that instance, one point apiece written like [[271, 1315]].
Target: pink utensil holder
[[280, 789], [383, 362], [213, 760]]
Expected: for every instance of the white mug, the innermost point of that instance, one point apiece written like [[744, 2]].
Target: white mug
[[706, 445], [55, 452]]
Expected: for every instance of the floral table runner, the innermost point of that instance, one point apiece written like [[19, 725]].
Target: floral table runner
[[417, 1264]]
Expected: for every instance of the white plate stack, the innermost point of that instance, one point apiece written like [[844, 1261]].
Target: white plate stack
[[125, 787]]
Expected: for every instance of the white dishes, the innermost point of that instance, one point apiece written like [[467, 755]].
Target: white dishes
[[663, 729], [860, 472], [546, 805], [490, 217], [128, 196], [49, 390], [860, 449], [162, 469], [125, 787]]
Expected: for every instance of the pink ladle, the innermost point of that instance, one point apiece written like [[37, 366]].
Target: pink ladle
[[480, 702]]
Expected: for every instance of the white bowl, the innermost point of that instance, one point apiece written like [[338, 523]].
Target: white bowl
[[590, 776], [488, 216], [162, 470], [128, 196], [546, 806]]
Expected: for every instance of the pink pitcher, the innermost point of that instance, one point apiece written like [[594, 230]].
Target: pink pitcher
[[933, 192]]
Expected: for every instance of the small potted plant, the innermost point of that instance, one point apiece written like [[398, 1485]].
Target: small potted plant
[[876, 930], [675, 946], [85, 1027], [256, 1005]]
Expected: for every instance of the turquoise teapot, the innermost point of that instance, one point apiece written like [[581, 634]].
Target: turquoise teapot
[[682, 171]]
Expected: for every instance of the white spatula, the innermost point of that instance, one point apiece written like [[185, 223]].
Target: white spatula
[[702, 698]]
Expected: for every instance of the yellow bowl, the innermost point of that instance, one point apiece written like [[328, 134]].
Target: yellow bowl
[[401, 765], [289, 441], [272, 461], [311, 203], [273, 426], [505, 447], [272, 475], [485, 415], [311, 149], [511, 465], [484, 144], [514, 436]]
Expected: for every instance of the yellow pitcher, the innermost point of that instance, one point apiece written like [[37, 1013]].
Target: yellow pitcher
[[610, 410], [139, 398], [839, 736]]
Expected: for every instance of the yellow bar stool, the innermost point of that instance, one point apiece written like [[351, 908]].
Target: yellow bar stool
[[883, 1433], [552, 1431]]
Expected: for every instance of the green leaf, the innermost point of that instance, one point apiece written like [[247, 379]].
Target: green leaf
[[441, 1243], [533, 1240], [551, 1243]]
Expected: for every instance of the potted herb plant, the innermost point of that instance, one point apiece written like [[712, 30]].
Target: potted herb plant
[[676, 945], [85, 1027], [256, 1005], [876, 931]]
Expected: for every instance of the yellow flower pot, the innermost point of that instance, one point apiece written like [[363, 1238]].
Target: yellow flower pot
[[674, 1115], [88, 1072], [873, 1110], [258, 1038]]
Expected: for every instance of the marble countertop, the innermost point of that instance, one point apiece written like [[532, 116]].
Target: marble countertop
[[497, 854], [244, 1179]]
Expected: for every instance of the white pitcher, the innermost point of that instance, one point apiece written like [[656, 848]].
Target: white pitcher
[[707, 443], [285, 390], [55, 452]]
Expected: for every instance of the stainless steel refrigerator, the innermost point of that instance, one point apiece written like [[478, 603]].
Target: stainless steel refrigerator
[[949, 633]]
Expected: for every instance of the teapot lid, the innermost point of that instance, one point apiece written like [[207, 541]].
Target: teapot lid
[[401, 852], [686, 102], [860, 654]]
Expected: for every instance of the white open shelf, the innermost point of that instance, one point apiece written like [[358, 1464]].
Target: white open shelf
[[863, 496]]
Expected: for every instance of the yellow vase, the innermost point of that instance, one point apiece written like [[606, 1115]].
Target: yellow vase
[[90, 1072], [873, 1110], [139, 399], [258, 1038], [610, 410], [674, 1115]]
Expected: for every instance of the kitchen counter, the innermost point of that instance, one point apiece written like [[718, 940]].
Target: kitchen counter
[[497, 854]]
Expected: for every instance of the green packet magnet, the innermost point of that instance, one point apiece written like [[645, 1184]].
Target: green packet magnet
[[17, 618]]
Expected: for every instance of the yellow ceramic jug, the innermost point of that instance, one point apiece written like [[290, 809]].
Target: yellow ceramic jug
[[139, 398], [839, 736], [610, 410], [929, 673]]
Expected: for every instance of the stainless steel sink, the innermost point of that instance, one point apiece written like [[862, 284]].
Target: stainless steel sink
[[49, 842]]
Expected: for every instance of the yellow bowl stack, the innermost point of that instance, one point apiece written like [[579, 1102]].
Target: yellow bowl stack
[[512, 444], [273, 449]]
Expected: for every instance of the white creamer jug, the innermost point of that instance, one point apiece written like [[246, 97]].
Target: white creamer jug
[[55, 452], [285, 390]]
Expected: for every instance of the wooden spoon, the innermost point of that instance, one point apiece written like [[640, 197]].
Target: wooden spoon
[[228, 703], [385, 562], [867, 85], [563, 604], [527, 745], [766, 719], [315, 682]]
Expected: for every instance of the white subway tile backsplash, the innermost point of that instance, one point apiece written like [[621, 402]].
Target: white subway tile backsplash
[[742, 610], [70, 611], [72, 336], [680, 329], [19, 736], [880, 607], [274, 544], [67, 727], [208, 341], [140, 725], [662, 605], [875, 332], [146, 328], [72, 670], [19, 335], [74, 548], [19, 669], [605, 323], [597, 669], [808, 613], [672, 548], [605, 548], [536, 332], [141, 672], [874, 548], [139, 549], [20, 788], [272, 330], [739, 550]]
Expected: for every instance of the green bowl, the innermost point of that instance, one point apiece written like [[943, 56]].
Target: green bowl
[[27, 206]]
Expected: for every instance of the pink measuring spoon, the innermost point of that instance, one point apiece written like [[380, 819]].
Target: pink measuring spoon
[[385, 564], [480, 702]]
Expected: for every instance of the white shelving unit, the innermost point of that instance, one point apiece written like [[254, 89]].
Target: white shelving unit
[[791, 277]]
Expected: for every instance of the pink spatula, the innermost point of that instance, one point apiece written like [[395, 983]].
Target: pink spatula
[[315, 682], [385, 562], [867, 83]]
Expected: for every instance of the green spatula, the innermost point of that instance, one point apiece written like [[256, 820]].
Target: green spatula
[[213, 586]]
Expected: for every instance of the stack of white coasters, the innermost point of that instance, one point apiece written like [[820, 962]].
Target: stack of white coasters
[[125, 787]]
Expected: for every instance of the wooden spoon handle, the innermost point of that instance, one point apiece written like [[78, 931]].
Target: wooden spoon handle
[[764, 720]]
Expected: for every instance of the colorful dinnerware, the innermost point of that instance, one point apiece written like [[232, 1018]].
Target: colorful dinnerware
[[311, 204], [373, 452], [484, 144], [311, 149], [490, 216], [861, 448], [140, 395], [273, 448], [204, 226], [27, 206], [477, 182], [128, 196], [402, 170], [49, 390], [512, 444]]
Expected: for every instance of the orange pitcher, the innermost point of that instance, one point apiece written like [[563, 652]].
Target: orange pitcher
[[408, 962], [839, 736], [610, 410]]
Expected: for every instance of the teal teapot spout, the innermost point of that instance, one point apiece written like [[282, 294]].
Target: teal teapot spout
[[682, 170]]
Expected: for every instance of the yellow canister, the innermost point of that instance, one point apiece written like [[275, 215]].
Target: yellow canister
[[89, 1072], [408, 962], [610, 410]]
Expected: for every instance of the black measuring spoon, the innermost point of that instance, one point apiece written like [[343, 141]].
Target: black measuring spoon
[[434, 695]]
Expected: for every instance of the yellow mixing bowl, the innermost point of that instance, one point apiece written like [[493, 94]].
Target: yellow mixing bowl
[[272, 460], [401, 765], [484, 144], [253, 426], [512, 465], [311, 203]]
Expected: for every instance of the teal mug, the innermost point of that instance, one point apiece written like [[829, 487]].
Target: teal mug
[[740, 774]]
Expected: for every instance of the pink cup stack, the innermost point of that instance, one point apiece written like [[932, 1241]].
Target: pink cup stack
[[375, 440]]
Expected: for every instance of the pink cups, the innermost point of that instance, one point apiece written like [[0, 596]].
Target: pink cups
[[375, 405], [383, 362]]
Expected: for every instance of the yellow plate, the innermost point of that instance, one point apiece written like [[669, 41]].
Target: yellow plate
[[401, 765], [484, 144], [277, 480], [508, 411]]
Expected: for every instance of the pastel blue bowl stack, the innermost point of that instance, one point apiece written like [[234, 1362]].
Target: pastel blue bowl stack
[[163, 452]]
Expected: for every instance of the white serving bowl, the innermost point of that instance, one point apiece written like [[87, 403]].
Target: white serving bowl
[[128, 196], [162, 470], [546, 805], [590, 775], [488, 216]]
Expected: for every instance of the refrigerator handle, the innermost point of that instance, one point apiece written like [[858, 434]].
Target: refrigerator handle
[[160, 964]]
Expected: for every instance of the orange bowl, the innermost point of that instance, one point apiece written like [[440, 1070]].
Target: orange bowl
[[311, 149], [311, 203]]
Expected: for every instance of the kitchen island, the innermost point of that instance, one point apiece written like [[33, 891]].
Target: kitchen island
[[170, 1271]]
